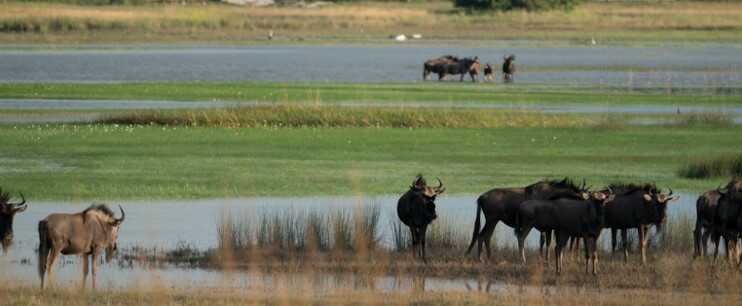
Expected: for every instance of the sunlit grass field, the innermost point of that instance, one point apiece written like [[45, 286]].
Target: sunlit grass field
[[623, 22]]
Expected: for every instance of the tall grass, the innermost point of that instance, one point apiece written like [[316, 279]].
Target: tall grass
[[728, 165], [292, 231], [339, 116]]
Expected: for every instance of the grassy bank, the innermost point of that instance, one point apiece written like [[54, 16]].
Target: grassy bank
[[427, 93], [73, 162], [29, 22]]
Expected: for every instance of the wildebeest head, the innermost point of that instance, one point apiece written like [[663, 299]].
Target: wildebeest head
[[657, 202], [7, 213], [555, 189], [733, 190], [425, 195], [597, 201], [110, 225]]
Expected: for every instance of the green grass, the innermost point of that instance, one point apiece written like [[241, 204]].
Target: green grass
[[76, 162], [346, 93]]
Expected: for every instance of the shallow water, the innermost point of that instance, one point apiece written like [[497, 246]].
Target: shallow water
[[164, 224], [623, 66]]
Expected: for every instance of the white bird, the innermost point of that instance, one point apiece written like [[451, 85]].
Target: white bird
[[593, 42]]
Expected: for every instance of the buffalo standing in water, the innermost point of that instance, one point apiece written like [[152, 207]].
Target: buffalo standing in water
[[501, 204], [508, 69], [7, 213], [567, 218], [449, 64], [86, 233], [636, 206], [416, 209]]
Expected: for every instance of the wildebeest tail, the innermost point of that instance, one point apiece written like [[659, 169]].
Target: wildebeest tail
[[477, 223], [43, 248]]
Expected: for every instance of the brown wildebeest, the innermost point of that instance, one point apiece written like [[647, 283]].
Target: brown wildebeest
[[508, 68], [86, 233], [416, 209], [636, 206], [449, 64], [501, 204], [567, 218], [7, 213], [705, 214]]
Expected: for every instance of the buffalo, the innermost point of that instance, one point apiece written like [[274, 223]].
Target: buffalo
[[7, 213], [449, 64], [636, 206], [501, 204], [567, 218], [86, 233], [416, 209]]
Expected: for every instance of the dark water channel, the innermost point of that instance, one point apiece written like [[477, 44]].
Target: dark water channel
[[713, 65], [165, 224]]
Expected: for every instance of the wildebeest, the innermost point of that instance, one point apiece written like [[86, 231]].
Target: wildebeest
[[636, 206], [7, 213], [501, 204], [416, 209], [508, 68], [449, 64], [567, 218], [718, 215], [86, 233], [488, 73]]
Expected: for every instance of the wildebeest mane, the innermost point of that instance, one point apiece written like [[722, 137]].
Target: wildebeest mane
[[627, 188], [566, 183], [102, 208], [4, 196]]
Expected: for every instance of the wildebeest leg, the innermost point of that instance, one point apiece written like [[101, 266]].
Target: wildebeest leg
[[643, 242], [548, 245], [93, 260], [522, 234], [422, 242], [413, 235], [50, 264], [561, 241], [625, 244], [715, 238], [541, 242], [704, 241], [613, 240], [697, 240], [593, 252], [485, 236], [462, 77], [587, 253], [85, 263]]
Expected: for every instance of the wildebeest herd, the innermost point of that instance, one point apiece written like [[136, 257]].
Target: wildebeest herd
[[570, 212], [576, 213], [453, 65]]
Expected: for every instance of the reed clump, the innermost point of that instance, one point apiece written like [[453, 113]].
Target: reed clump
[[723, 166], [341, 116]]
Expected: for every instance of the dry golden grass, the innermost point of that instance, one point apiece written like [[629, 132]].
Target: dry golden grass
[[368, 21]]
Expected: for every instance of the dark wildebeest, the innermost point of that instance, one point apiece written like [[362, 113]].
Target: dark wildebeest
[[416, 209], [636, 206], [86, 233], [488, 73], [501, 204], [446, 65], [727, 222], [715, 217], [508, 68], [567, 218], [7, 213]]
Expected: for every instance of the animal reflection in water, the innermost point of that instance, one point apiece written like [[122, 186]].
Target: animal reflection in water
[[87, 233]]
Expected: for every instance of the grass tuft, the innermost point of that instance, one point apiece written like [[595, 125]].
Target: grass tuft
[[728, 165]]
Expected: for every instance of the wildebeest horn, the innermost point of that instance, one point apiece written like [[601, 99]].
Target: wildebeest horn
[[123, 215], [439, 189], [23, 200], [670, 191]]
